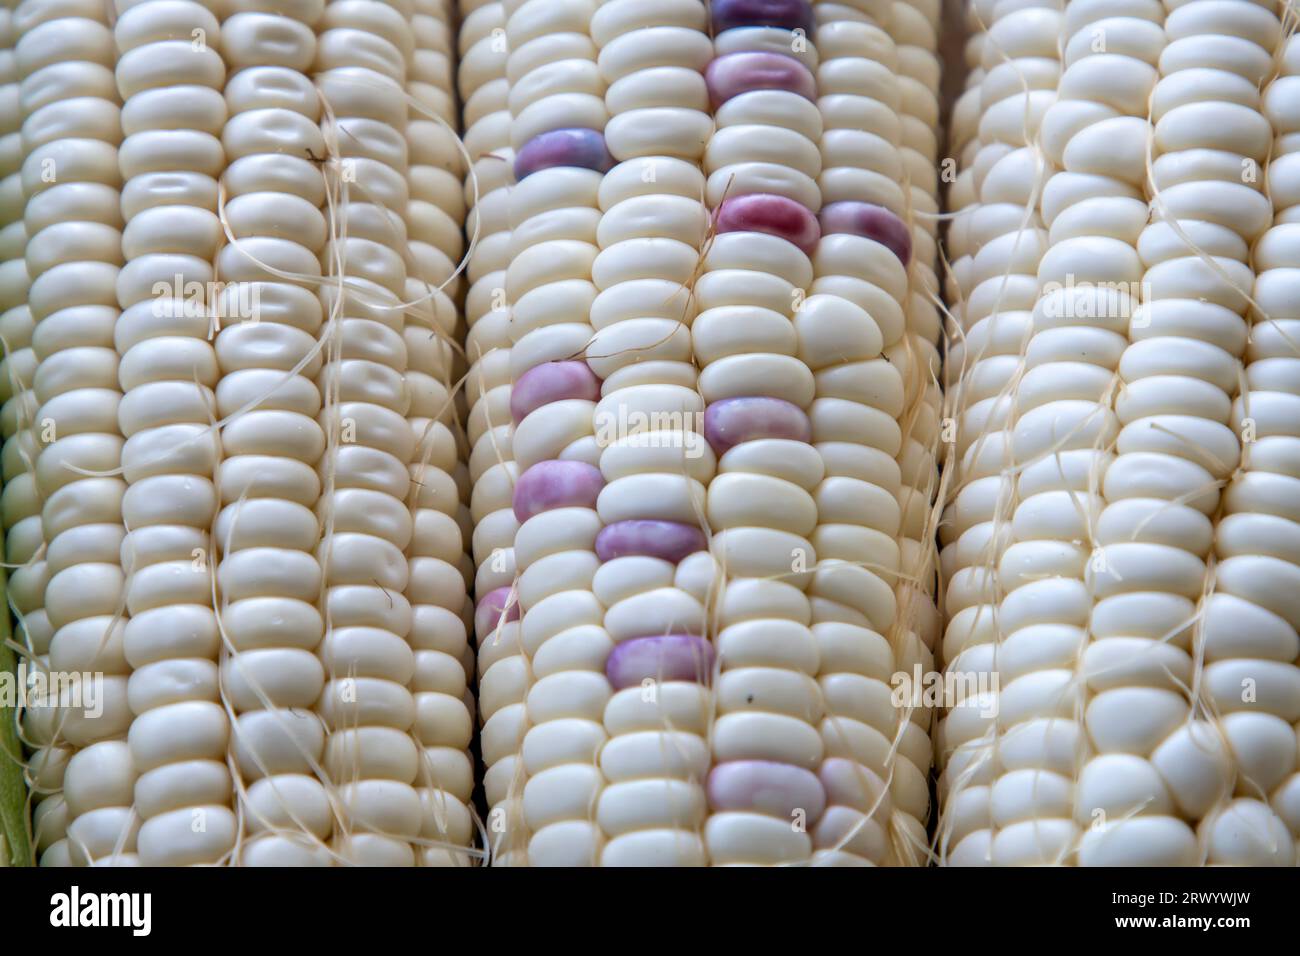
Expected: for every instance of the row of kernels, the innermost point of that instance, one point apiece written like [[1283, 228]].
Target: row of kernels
[[20, 505], [963, 143], [270, 575], [71, 133], [441, 571], [763, 163], [363, 50], [653, 457], [1253, 542], [558, 116], [171, 86], [916, 41], [484, 90], [854, 314]]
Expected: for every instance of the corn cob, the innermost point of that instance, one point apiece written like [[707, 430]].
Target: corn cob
[[1137, 725]]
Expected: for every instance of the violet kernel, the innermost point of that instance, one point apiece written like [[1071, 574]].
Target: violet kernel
[[732, 74], [553, 484], [767, 786], [775, 215], [787, 14], [667, 540], [870, 222], [671, 657], [730, 421], [583, 148], [552, 382]]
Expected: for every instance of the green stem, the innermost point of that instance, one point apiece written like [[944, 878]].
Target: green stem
[[13, 788]]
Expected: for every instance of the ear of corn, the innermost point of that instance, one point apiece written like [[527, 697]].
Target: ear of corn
[[1129, 729], [690, 504]]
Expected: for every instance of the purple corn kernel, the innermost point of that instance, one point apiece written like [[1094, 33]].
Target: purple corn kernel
[[731, 421], [556, 484], [788, 14], [584, 148], [777, 789], [495, 608], [552, 382], [774, 215], [664, 658], [871, 222], [737, 73], [667, 540]]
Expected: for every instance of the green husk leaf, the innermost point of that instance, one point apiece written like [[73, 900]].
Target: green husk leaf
[[13, 788]]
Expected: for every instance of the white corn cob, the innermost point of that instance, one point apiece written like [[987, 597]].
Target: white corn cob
[[170, 76], [486, 119], [1124, 428], [650, 232], [269, 576], [71, 131], [153, 375], [441, 572], [1005, 238]]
